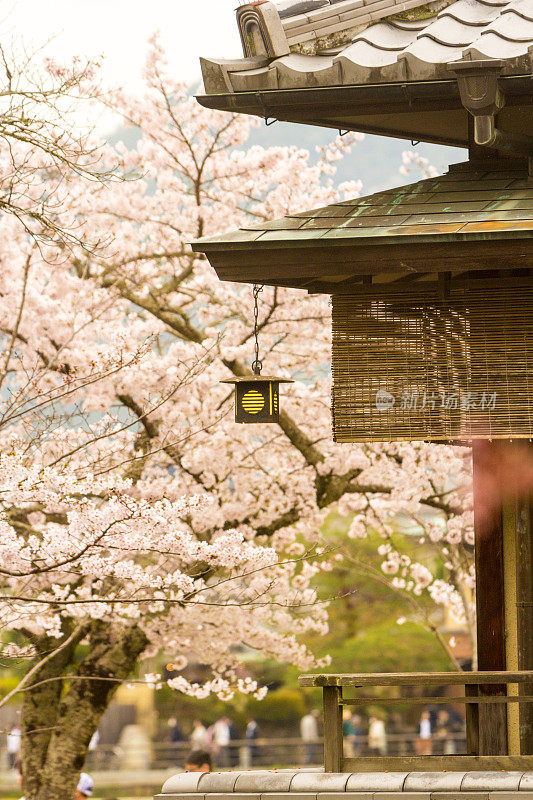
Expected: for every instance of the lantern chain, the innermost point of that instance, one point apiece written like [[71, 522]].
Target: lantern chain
[[257, 363]]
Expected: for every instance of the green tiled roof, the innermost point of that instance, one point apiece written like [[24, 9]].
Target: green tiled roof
[[488, 202], [465, 205]]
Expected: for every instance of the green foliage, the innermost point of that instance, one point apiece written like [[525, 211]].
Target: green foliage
[[361, 598], [389, 648], [283, 706], [7, 684]]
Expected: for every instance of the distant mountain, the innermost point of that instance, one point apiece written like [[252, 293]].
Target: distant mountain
[[375, 160]]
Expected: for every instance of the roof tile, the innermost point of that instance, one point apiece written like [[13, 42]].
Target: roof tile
[[465, 201], [472, 13], [498, 29]]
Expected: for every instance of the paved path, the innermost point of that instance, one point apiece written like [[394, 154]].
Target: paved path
[[150, 781]]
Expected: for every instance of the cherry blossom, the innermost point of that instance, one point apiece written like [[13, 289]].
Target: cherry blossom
[[136, 517]]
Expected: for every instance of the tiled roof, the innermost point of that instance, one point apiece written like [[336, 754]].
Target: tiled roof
[[361, 41], [337, 19], [467, 204], [462, 201]]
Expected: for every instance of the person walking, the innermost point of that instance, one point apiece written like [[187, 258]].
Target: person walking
[[442, 733], [198, 738], [234, 735], [176, 735], [221, 741], [424, 744], [176, 738], [377, 736], [348, 733], [93, 753], [351, 731], [309, 734], [13, 745], [357, 733], [252, 733], [85, 787]]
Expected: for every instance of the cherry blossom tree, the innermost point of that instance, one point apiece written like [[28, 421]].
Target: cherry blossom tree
[[282, 481], [102, 565], [99, 568], [427, 552], [87, 563], [136, 516], [44, 149]]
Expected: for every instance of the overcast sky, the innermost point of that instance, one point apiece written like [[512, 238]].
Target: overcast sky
[[119, 29]]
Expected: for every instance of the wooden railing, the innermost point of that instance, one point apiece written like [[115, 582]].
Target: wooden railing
[[487, 694]]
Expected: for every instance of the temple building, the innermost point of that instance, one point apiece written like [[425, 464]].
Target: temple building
[[432, 297]]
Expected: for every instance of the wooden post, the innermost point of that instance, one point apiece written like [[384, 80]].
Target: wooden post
[[472, 721], [510, 571], [490, 601], [525, 614], [333, 744]]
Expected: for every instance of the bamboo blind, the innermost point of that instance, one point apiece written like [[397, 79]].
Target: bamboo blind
[[412, 365]]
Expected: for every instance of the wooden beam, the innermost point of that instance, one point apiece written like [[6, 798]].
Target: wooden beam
[[406, 285], [510, 571], [415, 678], [434, 763], [299, 263], [468, 698], [472, 722]]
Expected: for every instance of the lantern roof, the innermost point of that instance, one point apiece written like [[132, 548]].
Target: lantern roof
[[472, 218], [379, 66], [257, 379]]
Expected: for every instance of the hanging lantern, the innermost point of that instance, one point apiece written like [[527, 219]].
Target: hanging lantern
[[257, 396]]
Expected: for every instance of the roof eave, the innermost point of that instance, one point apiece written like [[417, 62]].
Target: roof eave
[[331, 261], [254, 245], [327, 106]]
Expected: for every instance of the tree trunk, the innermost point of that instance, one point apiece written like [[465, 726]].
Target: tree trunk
[[40, 707], [111, 658]]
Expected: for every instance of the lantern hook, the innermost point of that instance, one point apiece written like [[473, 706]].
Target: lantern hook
[[257, 364]]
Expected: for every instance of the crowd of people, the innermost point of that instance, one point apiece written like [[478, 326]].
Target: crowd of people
[[223, 744], [221, 740], [437, 733]]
